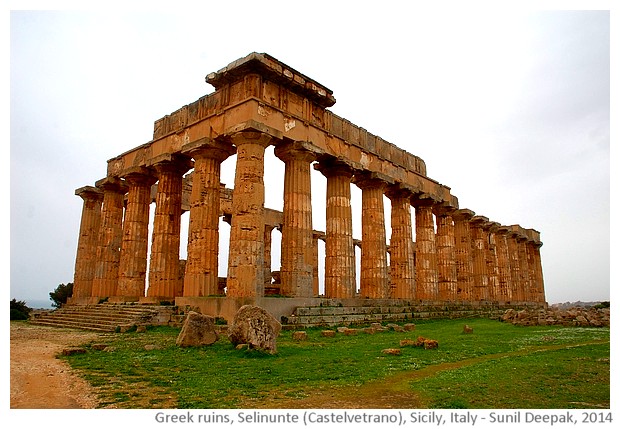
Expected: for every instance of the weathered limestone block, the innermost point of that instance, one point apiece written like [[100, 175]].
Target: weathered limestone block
[[254, 326], [328, 333], [393, 352], [198, 330], [409, 327], [300, 336], [468, 329], [408, 343]]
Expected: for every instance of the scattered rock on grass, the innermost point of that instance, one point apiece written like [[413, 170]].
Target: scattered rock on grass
[[198, 330]]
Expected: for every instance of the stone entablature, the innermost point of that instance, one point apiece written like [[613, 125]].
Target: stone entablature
[[258, 102]]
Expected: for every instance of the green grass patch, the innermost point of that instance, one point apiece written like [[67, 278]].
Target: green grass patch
[[504, 367]]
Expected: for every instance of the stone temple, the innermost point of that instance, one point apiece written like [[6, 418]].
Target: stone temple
[[458, 257]]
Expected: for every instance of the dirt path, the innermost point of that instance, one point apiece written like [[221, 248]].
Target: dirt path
[[38, 379]]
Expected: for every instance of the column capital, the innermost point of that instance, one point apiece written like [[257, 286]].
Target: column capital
[[423, 200], [463, 214], [444, 209], [334, 167], [89, 193], [172, 164], [301, 150], [255, 137], [209, 148], [139, 176], [318, 235], [479, 221], [112, 184], [491, 226], [371, 179]]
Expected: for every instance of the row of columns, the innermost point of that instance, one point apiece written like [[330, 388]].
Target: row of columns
[[458, 256]]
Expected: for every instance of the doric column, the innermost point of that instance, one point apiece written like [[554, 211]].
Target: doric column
[[524, 272], [463, 255], [427, 281], [86, 255], [316, 236], [503, 264], [110, 237], [402, 265], [490, 228], [537, 279], [246, 264], [446, 253], [374, 282], [516, 285], [339, 251], [165, 280], [134, 247], [479, 258], [201, 268], [297, 252]]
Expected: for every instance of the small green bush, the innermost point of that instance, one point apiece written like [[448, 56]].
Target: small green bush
[[19, 310]]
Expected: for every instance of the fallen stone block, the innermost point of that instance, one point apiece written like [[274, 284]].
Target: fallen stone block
[[73, 351], [300, 336], [254, 326], [408, 343], [468, 330], [409, 327], [394, 352], [328, 333], [198, 330]]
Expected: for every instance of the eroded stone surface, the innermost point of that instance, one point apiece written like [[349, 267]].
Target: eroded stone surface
[[198, 330], [254, 326]]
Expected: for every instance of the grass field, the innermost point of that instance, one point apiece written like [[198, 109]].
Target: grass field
[[498, 366]]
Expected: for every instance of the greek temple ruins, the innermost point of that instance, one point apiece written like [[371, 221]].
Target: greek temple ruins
[[458, 256]]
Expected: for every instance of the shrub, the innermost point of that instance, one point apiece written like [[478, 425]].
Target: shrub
[[19, 310], [61, 294]]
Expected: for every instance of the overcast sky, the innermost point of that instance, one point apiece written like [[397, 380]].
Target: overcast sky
[[509, 108]]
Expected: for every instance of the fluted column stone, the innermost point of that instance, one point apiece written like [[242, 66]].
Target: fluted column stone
[[515, 267], [446, 253], [297, 256], [490, 228], [463, 255], [201, 268], [479, 254], [503, 265], [374, 282], [134, 246], [165, 280], [86, 255], [246, 264], [524, 272], [339, 251], [402, 264], [427, 281], [105, 280]]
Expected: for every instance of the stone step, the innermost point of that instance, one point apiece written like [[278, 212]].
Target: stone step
[[100, 317]]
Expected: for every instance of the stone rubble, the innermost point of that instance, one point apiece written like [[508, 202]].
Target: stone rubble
[[576, 316]]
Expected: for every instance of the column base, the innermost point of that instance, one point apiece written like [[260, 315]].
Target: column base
[[83, 300], [156, 300], [123, 299]]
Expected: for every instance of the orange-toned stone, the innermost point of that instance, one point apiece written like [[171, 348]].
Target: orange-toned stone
[[479, 258], [339, 251], [165, 280], [374, 282], [427, 281], [490, 228], [446, 254], [297, 252], [402, 266], [246, 265], [201, 271], [134, 246], [503, 265], [110, 236], [86, 257], [463, 255]]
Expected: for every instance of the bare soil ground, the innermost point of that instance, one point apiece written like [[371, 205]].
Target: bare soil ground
[[40, 380]]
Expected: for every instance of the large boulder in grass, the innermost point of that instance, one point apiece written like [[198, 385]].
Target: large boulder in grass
[[198, 330], [255, 327]]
